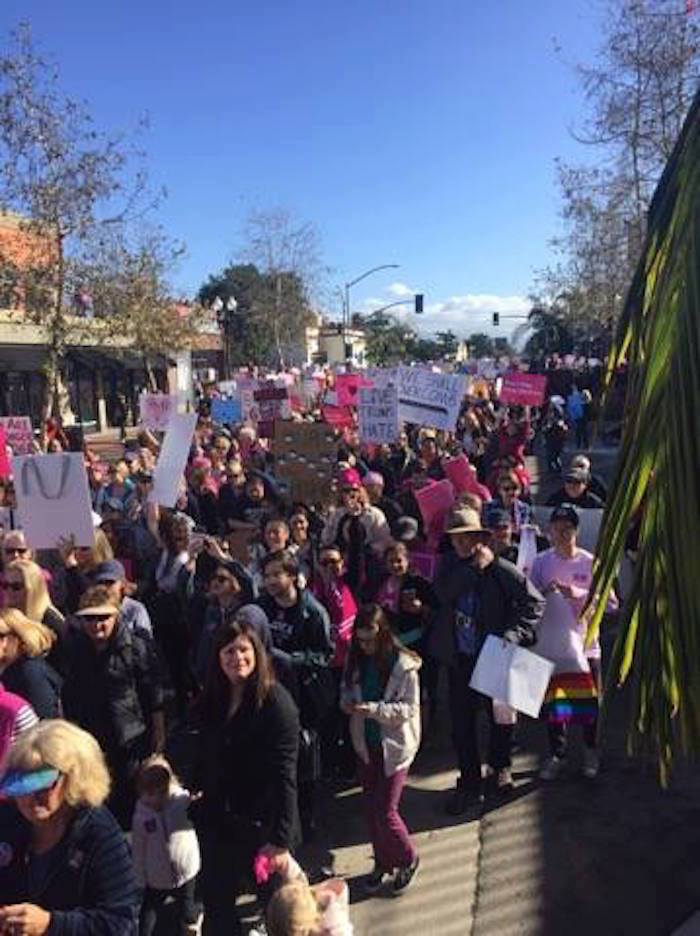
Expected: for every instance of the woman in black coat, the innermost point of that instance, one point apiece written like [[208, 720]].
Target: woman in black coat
[[24, 669], [247, 771], [66, 864]]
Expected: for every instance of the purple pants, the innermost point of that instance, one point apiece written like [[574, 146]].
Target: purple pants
[[392, 845]]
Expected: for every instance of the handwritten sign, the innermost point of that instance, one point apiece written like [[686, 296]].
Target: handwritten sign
[[523, 389], [462, 475], [270, 402], [378, 414], [157, 410], [53, 499], [227, 411], [429, 398], [18, 434], [347, 387], [5, 470], [434, 502]]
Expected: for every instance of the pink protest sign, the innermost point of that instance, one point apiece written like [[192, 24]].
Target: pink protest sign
[[18, 434], [434, 502], [347, 387], [340, 417], [424, 563], [5, 470], [523, 389], [462, 475], [157, 409]]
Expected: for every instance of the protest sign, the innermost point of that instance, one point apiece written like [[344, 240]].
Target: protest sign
[[18, 434], [462, 476], [305, 455], [270, 402], [226, 411], [511, 674], [523, 389], [347, 387], [382, 376], [424, 564], [7, 519], [378, 415], [340, 417], [172, 459], [157, 410], [53, 499], [434, 502], [430, 398], [227, 387]]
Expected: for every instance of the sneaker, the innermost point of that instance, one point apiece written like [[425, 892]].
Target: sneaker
[[463, 799], [405, 876], [591, 763], [552, 768], [373, 882], [503, 780]]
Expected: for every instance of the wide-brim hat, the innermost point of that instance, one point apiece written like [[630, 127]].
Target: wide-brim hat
[[465, 520]]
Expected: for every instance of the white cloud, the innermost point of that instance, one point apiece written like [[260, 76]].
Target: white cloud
[[464, 314]]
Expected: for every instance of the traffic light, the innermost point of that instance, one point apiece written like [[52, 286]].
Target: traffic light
[[419, 302], [496, 319]]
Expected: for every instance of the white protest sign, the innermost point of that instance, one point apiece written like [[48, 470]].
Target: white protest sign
[[157, 410], [428, 398], [378, 415], [227, 387], [18, 434], [559, 636], [53, 499], [589, 524], [512, 675], [172, 459], [382, 376]]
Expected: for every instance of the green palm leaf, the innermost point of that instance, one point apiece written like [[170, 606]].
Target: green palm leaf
[[658, 338]]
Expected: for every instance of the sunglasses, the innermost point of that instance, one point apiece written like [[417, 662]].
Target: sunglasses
[[508, 487], [13, 586], [16, 550]]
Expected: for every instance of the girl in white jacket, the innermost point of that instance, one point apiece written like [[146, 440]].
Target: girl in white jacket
[[165, 847], [380, 692]]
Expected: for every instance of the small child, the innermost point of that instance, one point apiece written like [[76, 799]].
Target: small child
[[299, 910], [165, 847]]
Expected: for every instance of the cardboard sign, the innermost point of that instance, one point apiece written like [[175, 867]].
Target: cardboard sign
[[512, 675], [157, 410], [429, 398], [523, 389], [435, 501], [226, 411], [53, 499], [305, 456], [18, 434], [378, 415], [172, 459]]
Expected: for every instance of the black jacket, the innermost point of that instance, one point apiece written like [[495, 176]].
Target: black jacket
[[587, 499], [113, 694], [247, 771], [509, 604], [90, 888], [37, 682]]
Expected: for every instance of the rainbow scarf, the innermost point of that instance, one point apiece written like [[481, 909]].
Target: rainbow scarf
[[571, 698]]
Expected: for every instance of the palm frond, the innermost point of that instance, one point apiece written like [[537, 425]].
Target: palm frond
[[658, 339]]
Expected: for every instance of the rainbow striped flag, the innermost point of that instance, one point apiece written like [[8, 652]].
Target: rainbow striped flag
[[571, 698]]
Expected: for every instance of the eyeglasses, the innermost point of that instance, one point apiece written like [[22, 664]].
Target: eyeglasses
[[13, 586]]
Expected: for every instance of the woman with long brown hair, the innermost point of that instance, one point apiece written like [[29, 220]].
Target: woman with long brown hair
[[247, 770], [381, 694]]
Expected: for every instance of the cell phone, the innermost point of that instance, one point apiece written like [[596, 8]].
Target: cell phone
[[197, 540]]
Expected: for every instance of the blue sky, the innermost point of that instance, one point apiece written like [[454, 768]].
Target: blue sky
[[419, 133]]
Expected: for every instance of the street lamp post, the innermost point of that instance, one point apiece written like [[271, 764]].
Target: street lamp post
[[349, 285], [224, 316]]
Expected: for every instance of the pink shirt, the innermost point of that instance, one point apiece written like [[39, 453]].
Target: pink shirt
[[577, 572]]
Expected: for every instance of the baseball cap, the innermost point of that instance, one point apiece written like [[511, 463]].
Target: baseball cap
[[350, 478], [109, 571], [565, 512], [497, 517], [576, 474]]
